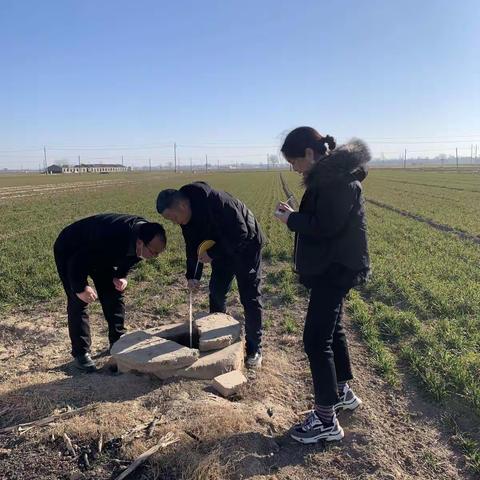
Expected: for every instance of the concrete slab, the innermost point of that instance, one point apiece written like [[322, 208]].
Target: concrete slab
[[129, 340], [154, 355], [229, 383], [148, 352], [212, 364], [217, 331]]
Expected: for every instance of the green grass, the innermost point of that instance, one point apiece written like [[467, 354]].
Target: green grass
[[382, 357], [447, 198], [284, 283], [289, 324], [468, 445], [30, 225]]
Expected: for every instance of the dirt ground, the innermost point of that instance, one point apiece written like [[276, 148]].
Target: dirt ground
[[396, 434]]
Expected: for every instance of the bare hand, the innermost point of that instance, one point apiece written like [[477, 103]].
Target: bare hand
[[89, 295], [283, 211], [120, 284], [204, 258], [193, 285]]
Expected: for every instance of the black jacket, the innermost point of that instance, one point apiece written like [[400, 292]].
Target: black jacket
[[330, 226], [218, 216], [102, 242]]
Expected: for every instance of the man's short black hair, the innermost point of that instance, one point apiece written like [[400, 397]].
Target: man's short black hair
[[147, 231], [168, 198]]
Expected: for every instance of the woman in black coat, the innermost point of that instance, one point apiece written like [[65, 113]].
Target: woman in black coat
[[331, 257]]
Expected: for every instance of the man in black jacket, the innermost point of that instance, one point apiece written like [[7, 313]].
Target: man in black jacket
[[208, 214], [104, 247]]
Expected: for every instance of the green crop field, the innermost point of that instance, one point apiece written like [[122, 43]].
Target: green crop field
[[448, 198], [421, 308]]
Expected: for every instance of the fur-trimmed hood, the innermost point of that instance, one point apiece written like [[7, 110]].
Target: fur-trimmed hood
[[348, 161]]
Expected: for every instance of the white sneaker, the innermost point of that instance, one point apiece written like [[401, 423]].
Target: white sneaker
[[254, 361], [313, 430], [348, 400]]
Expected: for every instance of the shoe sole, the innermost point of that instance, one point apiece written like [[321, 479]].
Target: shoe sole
[[328, 438], [89, 369], [353, 405]]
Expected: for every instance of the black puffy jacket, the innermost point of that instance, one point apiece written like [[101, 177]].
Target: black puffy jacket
[[330, 226]]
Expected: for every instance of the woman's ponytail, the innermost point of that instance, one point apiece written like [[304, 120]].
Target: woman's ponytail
[[301, 138], [330, 141]]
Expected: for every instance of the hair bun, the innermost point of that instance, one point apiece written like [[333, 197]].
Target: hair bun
[[330, 141]]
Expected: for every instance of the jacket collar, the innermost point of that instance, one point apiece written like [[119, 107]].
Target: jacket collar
[[345, 163]]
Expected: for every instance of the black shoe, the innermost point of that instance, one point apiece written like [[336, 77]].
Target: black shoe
[[84, 362]]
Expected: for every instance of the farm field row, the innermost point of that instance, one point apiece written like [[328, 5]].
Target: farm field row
[[446, 198]]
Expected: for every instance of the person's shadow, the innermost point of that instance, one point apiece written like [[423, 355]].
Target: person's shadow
[[251, 454], [78, 389]]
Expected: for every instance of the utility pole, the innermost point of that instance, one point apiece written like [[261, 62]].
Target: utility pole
[[218, 164], [122, 162], [175, 155], [150, 164], [79, 165], [405, 159], [206, 163], [45, 166]]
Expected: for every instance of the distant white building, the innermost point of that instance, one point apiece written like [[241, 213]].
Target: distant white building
[[88, 168]]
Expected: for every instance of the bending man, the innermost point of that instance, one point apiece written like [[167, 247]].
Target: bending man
[[104, 247], [208, 214]]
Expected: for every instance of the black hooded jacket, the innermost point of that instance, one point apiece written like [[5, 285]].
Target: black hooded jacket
[[218, 216], [330, 226], [101, 242]]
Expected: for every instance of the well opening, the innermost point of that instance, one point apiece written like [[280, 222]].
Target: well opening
[[184, 339]]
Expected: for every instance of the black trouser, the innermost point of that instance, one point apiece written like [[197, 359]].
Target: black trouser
[[112, 302], [247, 269], [325, 341]]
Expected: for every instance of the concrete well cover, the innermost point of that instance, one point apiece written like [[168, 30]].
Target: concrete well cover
[[216, 331], [154, 353]]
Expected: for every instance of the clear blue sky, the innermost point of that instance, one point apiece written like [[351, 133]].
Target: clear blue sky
[[129, 74]]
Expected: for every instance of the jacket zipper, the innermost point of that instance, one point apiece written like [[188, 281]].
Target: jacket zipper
[[296, 251]]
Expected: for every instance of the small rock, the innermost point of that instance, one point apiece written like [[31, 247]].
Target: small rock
[[229, 383], [5, 452]]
